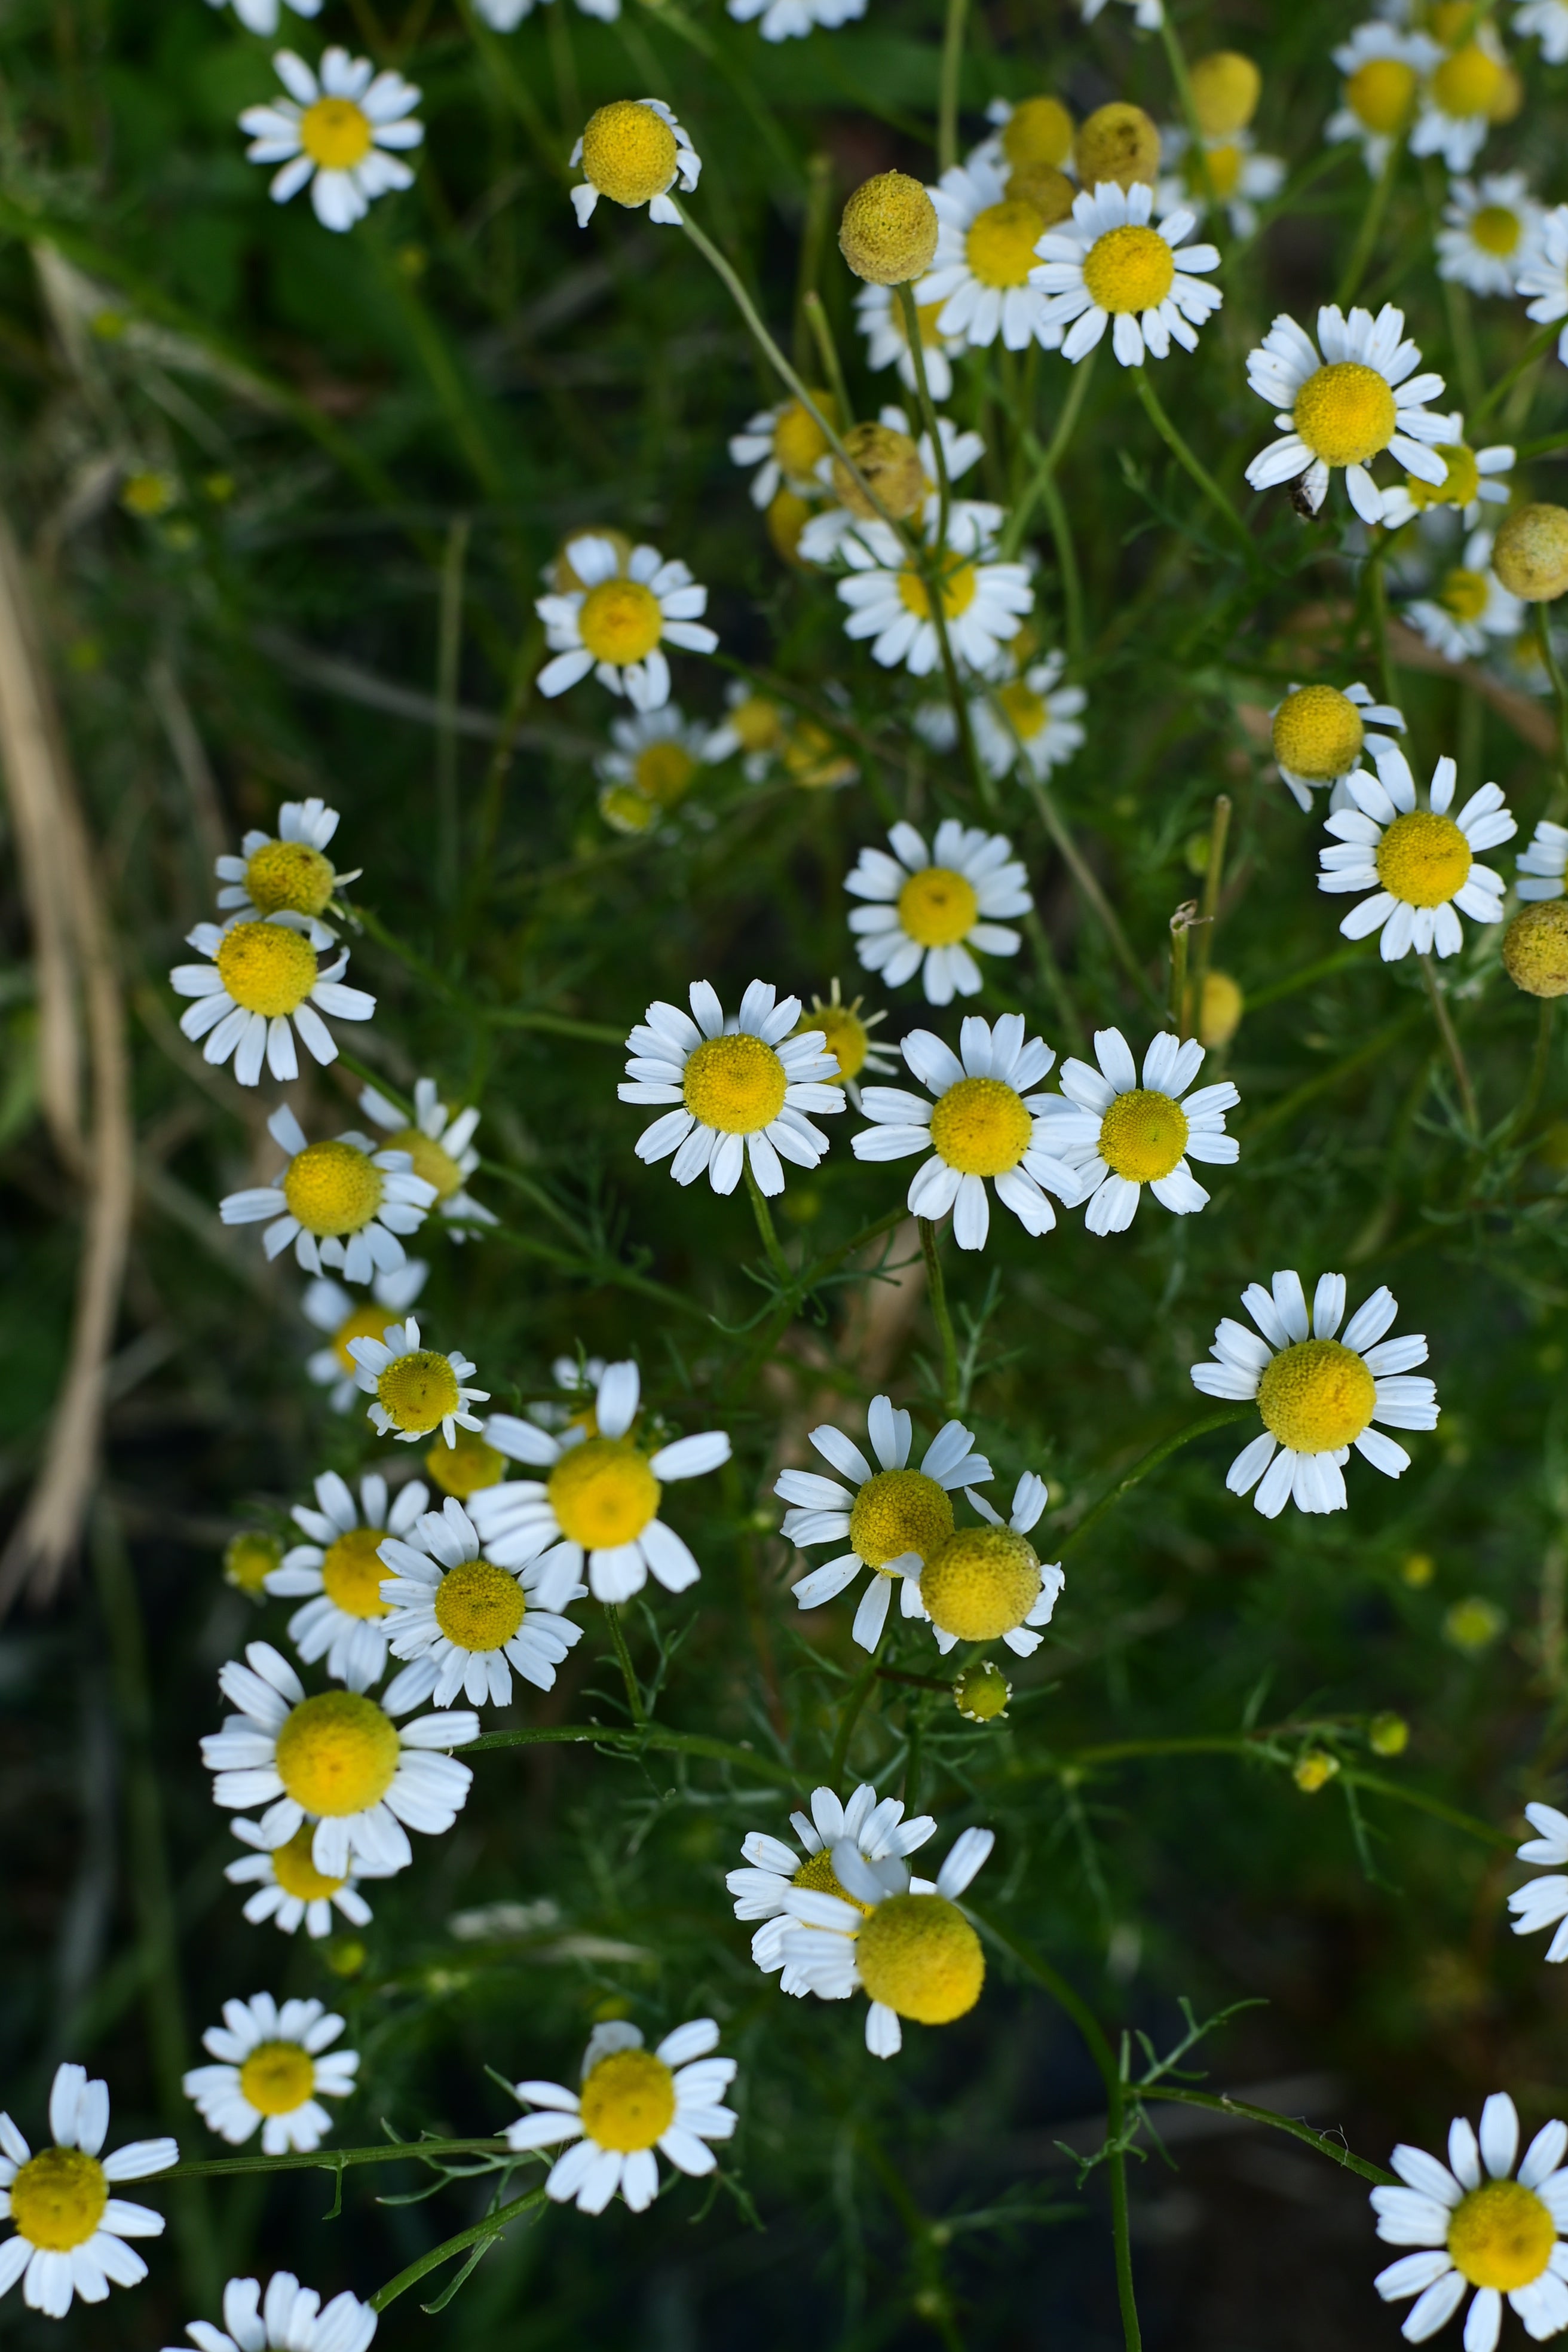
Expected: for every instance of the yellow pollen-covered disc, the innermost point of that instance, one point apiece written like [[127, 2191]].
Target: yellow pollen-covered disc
[[1129, 269], [332, 1188], [337, 1753], [629, 151], [335, 133], [250, 1560], [919, 1955], [1316, 1396], [1223, 170], [1464, 593], [812, 759], [478, 1606], [889, 463], [603, 1493], [1344, 413], [1027, 711], [1535, 949], [758, 722], [887, 231], [981, 1127], [1381, 94], [58, 2199], [295, 1871], [1220, 1010], [1469, 81], [899, 1511], [1142, 1135], [847, 1040], [937, 907], [1318, 733], [798, 439], [1000, 245], [462, 1468], [1226, 88], [817, 1873], [352, 1572], [1530, 554], [437, 1167], [277, 2077], [959, 589], [1423, 858], [1050, 191], [266, 967], [735, 1084], [367, 1322], [628, 2101], [419, 1391], [982, 1584], [1495, 229], [1501, 2236], [620, 621], [664, 772], [288, 878], [1459, 485], [1117, 142], [1039, 131], [787, 516]]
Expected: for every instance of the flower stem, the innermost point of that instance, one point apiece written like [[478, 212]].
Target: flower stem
[[480, 2234], [1558, 687], [1213, 876], [951, 72], [859, 1692], [1540, 1062], [1451, 1046], [1371, 221], [1540, 342], [1181, 922], [1087, 880], [765, 1217], [1176, 58], [821, 328], [943, 1320], [628, 1671], [1377, 599], [1185, 456], [1151, 1461], [1013, 537]]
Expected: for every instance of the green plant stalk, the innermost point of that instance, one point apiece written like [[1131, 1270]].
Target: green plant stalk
[[1540, 1062], [937, 1289], [1044, 471], [1371, 221], [813, 244], [821, 326], [448, 657], [951, 74], [628, 1671], [1377, 601], [333, 2159], [1559, 686], [648, 1739], [1151, 1461], [1539, 344], [1087, 883], [1214, 878], [490, 2226], [765, 1226], [1450, 1042], [1144, 385], [1325, 2143], [1181, 926], [1067, 564], [1176, 58], [859, 1691]]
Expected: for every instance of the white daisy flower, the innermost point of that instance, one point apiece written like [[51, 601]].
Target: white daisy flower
[[1543, 863], [1239, 176], [291, 2319], [1340, 409], [1489, 232], [1383, 64], [415, 1391], [982, 272], [337, 1760], [1473, 480], [989, 1583], [1548, 20], [741, 1092], [892, 1519], [330, 1308], [982, 601], [973, 524], [1419, 863], [984, 1123], [1497, 2231], [289, 1890], [1470, 606], [463, 1622], [275, 2067], [632, 2100], [335, 133], [1032, 721], [1544, 1902], [440, 1144], [261, 976], [1319, 733], [773, 1867], [1319, 1395], [288, 873], [791, 20], [1461, 99], [598, 1506], [341, 1203], [1147, 15], [261, 16], [1121, 1135], [657, 756], [1105, 263], [339, 1569], [880, 318], [1545, 274], [930, 909], [786, 445], [914, 1955], [618, 623], [848, 1030], [634, 152], [70, 2227]]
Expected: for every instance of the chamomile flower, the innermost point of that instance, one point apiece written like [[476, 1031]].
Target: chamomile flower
[[631, 2102], [1544, 1902], [274, 2066], [1420, 865], [288, 873], [261, 976], [462, 1621], [1543, 863], [982, 274], [989, 1584], [341, 1203], [441, 1142], [931, 910], [880, 318], [1383, 64], [1031, 722], [1489, 232], [892, 1518], [70, 2227], [791, 20], [890, 601], [657, 758], [1240, 178], [335, 134], [634, 152], [1469, 606], [289, 2319], [618, 623], [289, 1890], [261, 16], [1106, 264], [1469, 88], [1319, 1394], [742, 1093], [415, 1391], [337, 1760], [848, 1030], [1319, 733], [598, 1506], [913, 1955], [773, 1867], [973, 524], [330, 1308], [1497, 2231], [339, 1570], [785, 444], [983, 1124], [1548, 20], [1545, 275], [1120, 1135], [1361, 397], [1473, 480], [1147, 15]]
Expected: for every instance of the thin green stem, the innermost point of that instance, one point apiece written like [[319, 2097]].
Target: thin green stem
[[937, 1288], [859, 1691], [818, 320], [490, 2226], [1540, 1062], [1087, 883], [1176, 58], [1326, 2143], [1377, 601], [951, 74], [1371, 221], [1451, 1046], [1559, 686], [334, 2159], [1539, 344], [928, 418], [1013, 537], [448, 658], [1144, 385], [1214, 878], [649, 1738], [764, 1216], [628, 1671], [1151, 1461], [1181, 928]]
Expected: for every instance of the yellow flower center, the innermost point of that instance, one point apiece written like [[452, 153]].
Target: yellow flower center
[[981, 1127], [478, 1606], [626, 809], [1495, 229], [629, 151], [417, 1390], [663, 771], [926, 315], [266, 967], [1129, 269], [250, 1560], [758, 722], [288, 877], [620, 621], [1041, 184], [817, 1873], [1464, 593], [1535, 950], [889, 464], [735, 1084], [1500, 2236], [846, 1033], [1142, 1135], [959, 587], [1226, 88], [1000, 245], [337, 1753], [813, 760], [1344, 413], [1220, 1012], [1381, 94], [603, 1493], [147, 495], [352, 1573], [335, 133], [1117, 142], [332, 1188], [887, 232], [295, 1871], [436, 1166], [1027, 711], [1039, 131], [58, 2199], [787, 516], [277, 2077], [919, 1955], [1318, 733], [936, 907], [798, 439], [899, 1511], [1460, 482], [1423, 858], [1468, 82], [1316, 1396], [628, 2101], [367, 1322], [462, 1469], [982, 1584]]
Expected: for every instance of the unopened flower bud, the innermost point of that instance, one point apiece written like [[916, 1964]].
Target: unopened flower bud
[[1314, 1769], [1117, 142], [1535, 949], [980, 1692], [1530, 554], [248, 1561], [887, 233], [890, 463], [1388, 1734]]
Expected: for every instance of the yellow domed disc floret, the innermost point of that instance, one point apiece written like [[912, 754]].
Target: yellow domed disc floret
[[1530, 554], [848, 1040], [462, 1468], [1318, 733], [1535, 949], [982, 1584], [337, 1753], [959, 588], [1423, 858], [603, 1493], [1039, 131], [367, 1322], [295, 1871], [352, 1573], [629, 151], [1000, 245], [478, 1606], [889, 463], [899, 1511], [758, 722], [664, 771], [1117, 142], [798, 439], [1464, 593], [817, 1873], [332, 1188], [887, 231], [419, 1391], [628, 2101], [250, 1560], [436, 1166], [1220, 1009], [980, 1692], [1344, 413], [1469, 81], [1459, 486], [288, 877], [277, 2077], [919, 1955], [335, 133], [1500, 2236], [266, 967], [1227, 87], [1050, 191], [1381, 94], [620, 621], [1142, 1135], [1495, 229], [58, 2199], [1316, 1396], [1028, 712], [1224, 165], [1129, 269], [735, 1084], [981, 1127], [936, 907]]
